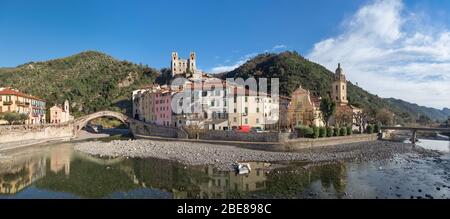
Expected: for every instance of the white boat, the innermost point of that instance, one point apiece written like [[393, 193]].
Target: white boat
[[243, 168]]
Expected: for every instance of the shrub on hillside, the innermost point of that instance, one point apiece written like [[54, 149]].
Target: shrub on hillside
[[330, 132], [323, 132]]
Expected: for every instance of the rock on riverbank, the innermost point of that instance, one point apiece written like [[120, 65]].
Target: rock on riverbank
[[223, 156]]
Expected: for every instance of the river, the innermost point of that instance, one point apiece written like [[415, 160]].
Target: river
[[57, 171]]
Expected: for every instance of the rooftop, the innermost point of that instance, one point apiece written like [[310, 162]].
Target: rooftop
[[14, 92]]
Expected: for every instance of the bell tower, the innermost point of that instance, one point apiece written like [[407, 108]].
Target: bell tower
[[192, 62], [339, 87], [174, 66]]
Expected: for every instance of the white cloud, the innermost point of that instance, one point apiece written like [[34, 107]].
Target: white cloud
[[386, 49], [225, 68], [277, 47], [242, 60]]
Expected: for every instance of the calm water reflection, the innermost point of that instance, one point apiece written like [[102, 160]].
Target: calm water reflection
[[59, 172]]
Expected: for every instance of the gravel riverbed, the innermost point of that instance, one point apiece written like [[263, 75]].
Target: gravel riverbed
[[223, 157]]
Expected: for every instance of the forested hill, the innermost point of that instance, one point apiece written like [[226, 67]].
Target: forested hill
[[293, 70], [91, 81]]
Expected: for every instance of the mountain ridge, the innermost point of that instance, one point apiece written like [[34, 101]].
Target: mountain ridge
[[294, 70]]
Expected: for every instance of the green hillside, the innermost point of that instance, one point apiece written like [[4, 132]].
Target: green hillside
[[91, 81], [293, 70], [417, 111]]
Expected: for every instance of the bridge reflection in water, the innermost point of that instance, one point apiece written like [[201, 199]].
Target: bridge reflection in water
[[60, 170]]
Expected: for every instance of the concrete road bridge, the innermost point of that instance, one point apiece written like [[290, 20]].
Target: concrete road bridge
[[414, 130]]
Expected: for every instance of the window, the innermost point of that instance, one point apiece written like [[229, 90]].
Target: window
[[235, 110], [343, 87], [246, 110], [246, 121], [337, 88], [246, 99], [234, 119], [257, 121], [337, 98], [257, 109]]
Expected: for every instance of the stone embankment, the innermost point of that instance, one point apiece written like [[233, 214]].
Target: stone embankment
[[223, 157]]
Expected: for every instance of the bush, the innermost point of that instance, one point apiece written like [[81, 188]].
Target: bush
[[369, 129], [336, 131], [323, 132], [330, 132], [316, 132], [349, 130], [377, 127], [343, 131], [305, 131]]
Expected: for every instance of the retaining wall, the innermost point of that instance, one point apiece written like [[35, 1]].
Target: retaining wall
[[250, 137], [18, 133], [302, 143]]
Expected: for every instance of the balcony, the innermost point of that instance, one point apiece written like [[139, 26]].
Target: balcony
[[7, 103], [25, 104]]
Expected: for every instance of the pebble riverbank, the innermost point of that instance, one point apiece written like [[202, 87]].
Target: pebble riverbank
[[223, 157]]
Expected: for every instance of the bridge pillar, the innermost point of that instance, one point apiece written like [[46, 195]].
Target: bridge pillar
[[414, 136]]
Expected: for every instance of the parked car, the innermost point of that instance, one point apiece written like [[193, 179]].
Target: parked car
[[244, 128], [257, 130]]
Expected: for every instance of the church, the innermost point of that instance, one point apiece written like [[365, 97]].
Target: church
[[345, 112]]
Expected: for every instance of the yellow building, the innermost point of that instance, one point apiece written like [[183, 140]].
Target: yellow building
[[12, 100]]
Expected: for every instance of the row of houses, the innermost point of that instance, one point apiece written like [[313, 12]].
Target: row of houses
[[197, 99], [15, 101]]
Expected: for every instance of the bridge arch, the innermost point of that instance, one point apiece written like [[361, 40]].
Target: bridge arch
[[81, 122]]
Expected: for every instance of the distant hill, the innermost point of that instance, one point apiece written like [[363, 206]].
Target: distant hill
[[293, 70], [91, 81], [414, 109]]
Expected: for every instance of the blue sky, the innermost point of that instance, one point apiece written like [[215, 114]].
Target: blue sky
[[148, 31], [364, 35]]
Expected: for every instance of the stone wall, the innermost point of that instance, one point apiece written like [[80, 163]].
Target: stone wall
[[146, 129], [302, 143], [251, 137], [18, 133]]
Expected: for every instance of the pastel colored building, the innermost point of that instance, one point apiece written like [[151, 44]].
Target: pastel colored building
[[60, 114], [163, 108], [305, 109], [12, 100]]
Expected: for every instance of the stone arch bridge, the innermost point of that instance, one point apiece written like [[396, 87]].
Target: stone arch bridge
[[137, 128]]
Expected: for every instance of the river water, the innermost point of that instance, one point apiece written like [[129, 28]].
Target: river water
[[57, 171]]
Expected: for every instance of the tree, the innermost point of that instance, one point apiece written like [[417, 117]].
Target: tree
[[343, 118], [13, 117], [362, 118], [328, 109], [384, 116], [423, 120]]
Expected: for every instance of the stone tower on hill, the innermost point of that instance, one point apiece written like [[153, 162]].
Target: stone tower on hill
[[183, 66]]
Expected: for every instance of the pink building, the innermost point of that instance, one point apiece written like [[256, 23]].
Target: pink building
[[163, 108]]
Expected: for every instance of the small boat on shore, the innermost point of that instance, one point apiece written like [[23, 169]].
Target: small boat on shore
[[243, 168]]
